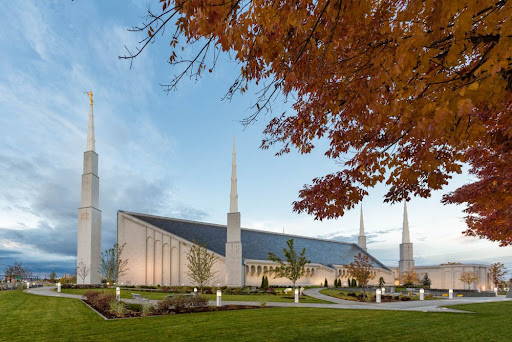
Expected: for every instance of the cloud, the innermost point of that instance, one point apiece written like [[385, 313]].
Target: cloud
[[43, 128], [371, 237]]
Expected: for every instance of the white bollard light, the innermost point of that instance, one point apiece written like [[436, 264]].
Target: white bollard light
[[195, 290], [383, 290], [219, 298], [496, 291], [28, 284], [58, 287], [118, 294], [450, 293], [296, 295], [378, 296], [422, 294]]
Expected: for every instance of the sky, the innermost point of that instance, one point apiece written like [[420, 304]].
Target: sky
[[160, 153]]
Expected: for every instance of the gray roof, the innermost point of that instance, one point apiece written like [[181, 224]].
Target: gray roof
[[256, 244]]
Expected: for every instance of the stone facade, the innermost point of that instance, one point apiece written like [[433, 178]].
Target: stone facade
[[161, 260]]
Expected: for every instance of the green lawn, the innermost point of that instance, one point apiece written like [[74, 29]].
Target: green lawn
[[341, 294], [26, 317], [245, 298]]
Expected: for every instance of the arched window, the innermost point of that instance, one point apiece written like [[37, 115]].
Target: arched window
[[265, 269], [259, 269], [253, 269]]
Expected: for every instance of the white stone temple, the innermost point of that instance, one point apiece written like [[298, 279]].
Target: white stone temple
[[156, 247], [444, 276]]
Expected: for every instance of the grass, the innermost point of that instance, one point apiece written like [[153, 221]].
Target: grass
[[371, 296], [28, 317], [338, 294], [241, 298]]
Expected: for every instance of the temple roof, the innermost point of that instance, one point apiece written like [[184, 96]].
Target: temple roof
[[256, 244]]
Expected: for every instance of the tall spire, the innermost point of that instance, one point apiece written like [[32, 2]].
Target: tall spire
[[405, 226], [361, 240], [233, 261], [233, 197], [361, 223], [90, 127], [89, 215]]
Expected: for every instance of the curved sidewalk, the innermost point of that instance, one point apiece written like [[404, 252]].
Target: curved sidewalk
[[422, 306], [436, 305]]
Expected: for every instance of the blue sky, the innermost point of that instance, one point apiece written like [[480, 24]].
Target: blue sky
[[166, 154]]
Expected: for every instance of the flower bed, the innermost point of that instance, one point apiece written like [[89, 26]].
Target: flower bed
[[108, 306]]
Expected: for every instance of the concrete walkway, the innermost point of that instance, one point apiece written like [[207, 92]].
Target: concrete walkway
[[435, 305], [422, 306]]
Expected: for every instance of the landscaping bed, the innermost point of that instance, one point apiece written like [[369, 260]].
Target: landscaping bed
[[107, 305], [158, 295], [370, 296]]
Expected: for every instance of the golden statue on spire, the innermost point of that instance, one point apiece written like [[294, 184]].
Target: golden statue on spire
[[89, 93]]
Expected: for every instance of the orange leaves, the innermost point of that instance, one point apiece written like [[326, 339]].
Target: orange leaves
[[404, 93]]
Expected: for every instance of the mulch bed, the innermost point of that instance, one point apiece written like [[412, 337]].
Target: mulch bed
[[136, 314]]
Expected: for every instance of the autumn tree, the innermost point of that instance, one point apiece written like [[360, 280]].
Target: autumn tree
[[112, 263], [409, 278], [200, 263], [497, 273], [292, 267], [401, 92], [362, 270], [468, 278]]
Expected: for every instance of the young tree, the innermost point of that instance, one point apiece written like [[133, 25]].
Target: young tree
[[264, 282], [200, 265], [497, 273], [381, 282], [326, 284], [412, 89], [82, 271], [426, 280], [409, 278], [468, 278], [292, 267], [362, 270], [52, 276], [112, 264]]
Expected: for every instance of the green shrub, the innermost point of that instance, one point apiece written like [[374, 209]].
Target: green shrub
[[147, 309], [263, 284], [133, 307], [117, 309], [180, 304]]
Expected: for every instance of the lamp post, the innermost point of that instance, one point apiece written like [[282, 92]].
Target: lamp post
[[219, 298], [118, 294], [378, 298], [296, 295], [58, 287], [450, 293], [422, 294]]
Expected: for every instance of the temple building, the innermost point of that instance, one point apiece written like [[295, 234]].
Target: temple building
[[444, 276], [156, 247]]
